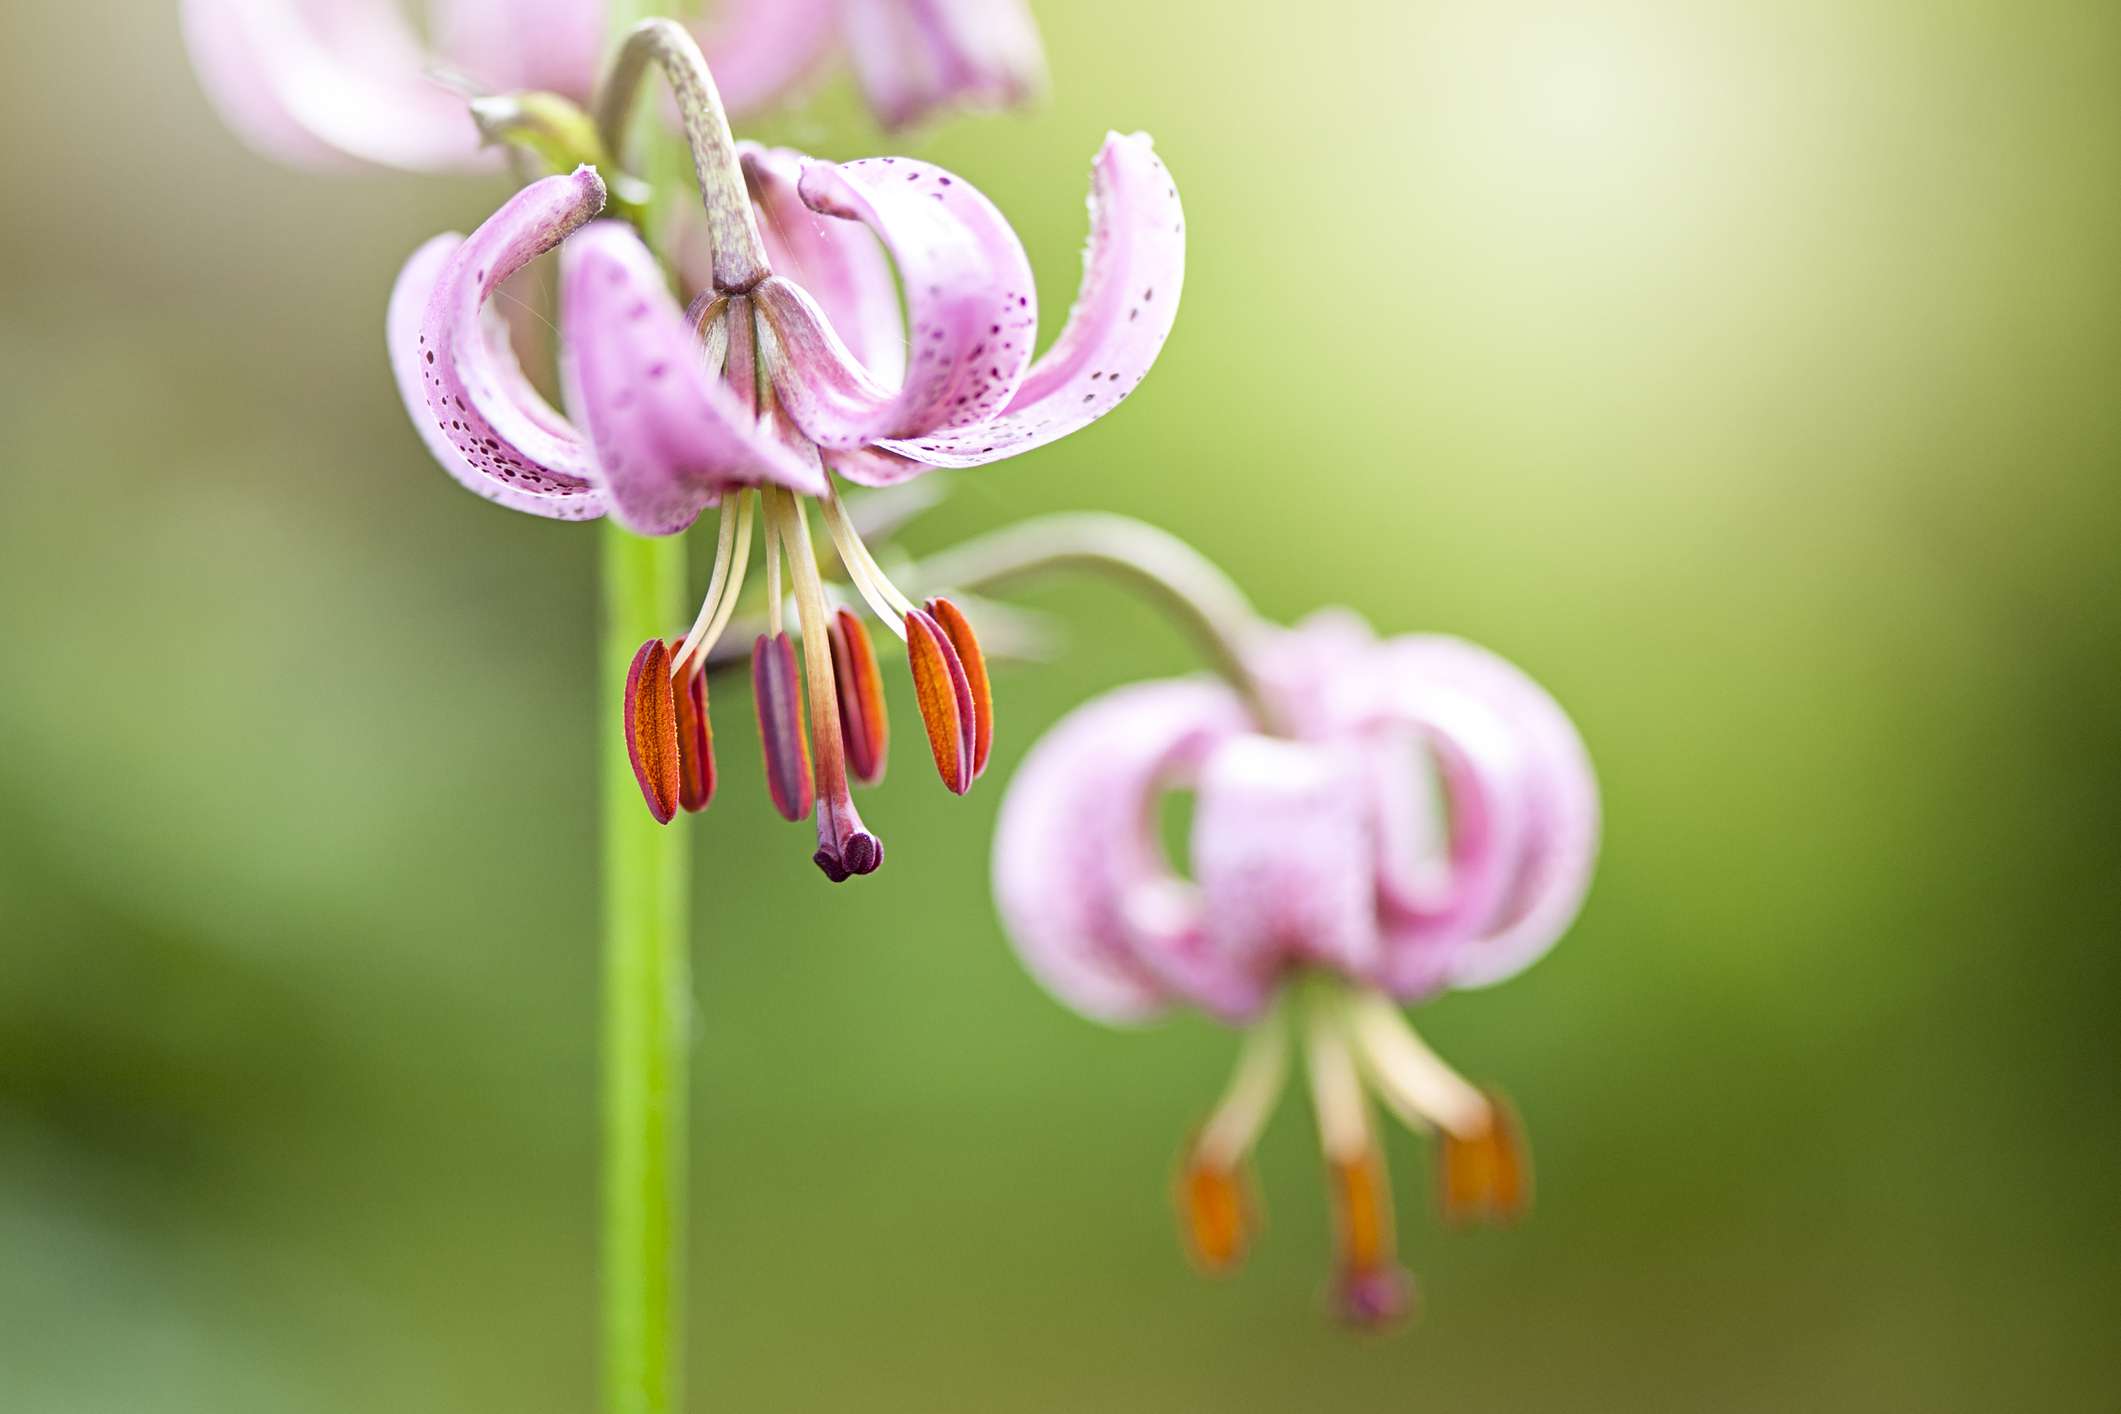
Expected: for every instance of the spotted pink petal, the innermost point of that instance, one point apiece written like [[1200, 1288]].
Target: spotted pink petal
[[1081, 879], [320, 81], [670, 436], [1558, 791], [916, 56], [473, 390], [839, 263], [760, 49], [507, 45], [558, 498], [969, 299], [1132, 275], [1285, 855]]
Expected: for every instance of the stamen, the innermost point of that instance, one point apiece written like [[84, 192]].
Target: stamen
[[1370, 1288], [779, 700], [875, 587], [1414, 1080], [695, 733], [1218, 1214], [861, 698], [845, 847], [945, 696], [1218, 1208], [732, 554], [975, 663], [652, 730], [1489, 1178]]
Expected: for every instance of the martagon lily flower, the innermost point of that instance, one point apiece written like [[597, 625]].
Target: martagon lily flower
[[1374, 823], [321, 82], [794, 370]]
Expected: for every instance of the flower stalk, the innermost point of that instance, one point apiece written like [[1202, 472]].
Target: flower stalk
[[647, 1021]]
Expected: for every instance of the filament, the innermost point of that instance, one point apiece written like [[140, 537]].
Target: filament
[[1246, 1104], [1414, 1080], [1337, 1100], [717, 583]]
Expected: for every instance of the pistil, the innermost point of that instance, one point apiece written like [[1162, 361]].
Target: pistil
[[845, 847], [1370, 1288]]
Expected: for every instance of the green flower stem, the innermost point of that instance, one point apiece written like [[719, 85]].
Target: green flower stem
[[647, 1014]]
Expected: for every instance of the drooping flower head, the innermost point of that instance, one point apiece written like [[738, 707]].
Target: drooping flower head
[[319, 82], [792, 369], [1376, 823]]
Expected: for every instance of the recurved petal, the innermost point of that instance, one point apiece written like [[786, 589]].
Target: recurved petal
[[1453, 784], [1558, 791], [474, 391], [670, 435], [508, 45], [916, 56], [970, 302], [840, 263], [1132, 275], [463, 455], [1077, 853], [1285, 857], [760, 49], [316, 81]]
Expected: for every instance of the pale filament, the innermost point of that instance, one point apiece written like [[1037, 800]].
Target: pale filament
[[884, 597], [1255, 1086], [732, 551], [1413, 1079], [1337, 1099]]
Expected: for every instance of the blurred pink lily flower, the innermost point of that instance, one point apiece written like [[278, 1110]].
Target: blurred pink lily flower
[[322, 82], [912, 57], [326, 82], [793, 369], [1417, 816]]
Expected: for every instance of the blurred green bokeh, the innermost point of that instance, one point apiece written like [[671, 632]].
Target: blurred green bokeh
[[1747, 371]]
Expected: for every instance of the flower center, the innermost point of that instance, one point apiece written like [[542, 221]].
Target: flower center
[[822, 715]]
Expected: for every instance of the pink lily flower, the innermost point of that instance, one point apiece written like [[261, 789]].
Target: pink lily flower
[[792, 371], [1384, 821], [913, 58], [326, 82], [323, 82]]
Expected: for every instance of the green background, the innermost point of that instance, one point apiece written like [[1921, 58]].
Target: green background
[[1746, 371]]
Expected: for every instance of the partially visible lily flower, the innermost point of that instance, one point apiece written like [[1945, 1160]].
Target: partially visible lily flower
[[321, 82], [792, 370], [325, 82], [913, 57], [1377, 823]]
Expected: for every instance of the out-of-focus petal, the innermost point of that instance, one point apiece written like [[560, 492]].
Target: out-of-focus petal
[[1133, 272], [304, 80], [1558, 791], [840, 263], [507, 45], [969, 297], [1079, 868], [474, 390], [1285, 857], [916, 56], [669, 434], [760, 49]]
